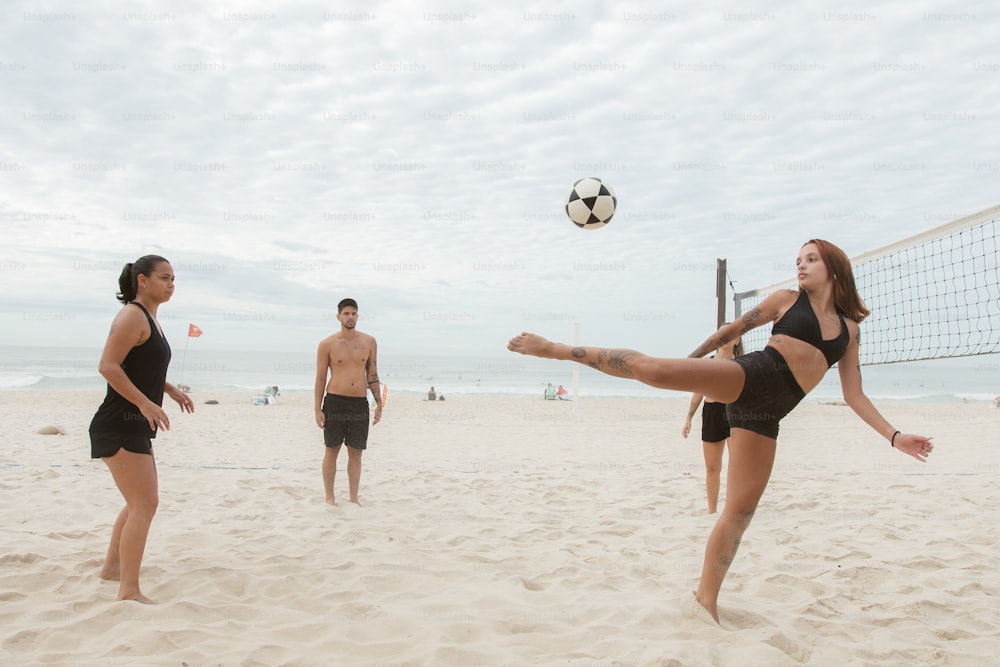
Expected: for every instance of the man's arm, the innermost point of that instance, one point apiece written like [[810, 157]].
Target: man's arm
[[319, 389], [371, 373]]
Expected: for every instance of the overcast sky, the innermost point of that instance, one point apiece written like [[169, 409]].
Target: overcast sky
[[416, 158]]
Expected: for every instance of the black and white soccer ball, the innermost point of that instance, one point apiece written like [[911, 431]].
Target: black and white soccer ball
[[591, 203]]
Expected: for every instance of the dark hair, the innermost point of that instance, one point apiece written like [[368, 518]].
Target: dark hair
[[344, 303], [845, 293], [128, 281]]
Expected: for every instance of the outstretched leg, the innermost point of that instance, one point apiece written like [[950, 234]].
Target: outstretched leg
[[718, 381], [751, 457], [135, 476]]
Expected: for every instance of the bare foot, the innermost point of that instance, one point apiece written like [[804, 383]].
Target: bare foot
[[136, 596], [330, 500], [530, 344], [356, 502], [110, 573], [713, 612]]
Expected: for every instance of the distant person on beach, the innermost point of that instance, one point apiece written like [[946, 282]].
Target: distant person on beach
[[550, 392], [134, 362], [348, 359], [814, 328], [431, 395], [562, 393], [714, 429]]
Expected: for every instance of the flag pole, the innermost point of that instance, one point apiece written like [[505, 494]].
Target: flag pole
[[193, 332], [187, 339]]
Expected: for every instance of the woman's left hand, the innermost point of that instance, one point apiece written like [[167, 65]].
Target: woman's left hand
[[917, 446], [183, 400]]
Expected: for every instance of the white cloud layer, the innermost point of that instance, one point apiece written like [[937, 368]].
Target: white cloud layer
[[416, 159]]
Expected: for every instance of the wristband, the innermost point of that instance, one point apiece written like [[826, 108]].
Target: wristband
[[892, 441]]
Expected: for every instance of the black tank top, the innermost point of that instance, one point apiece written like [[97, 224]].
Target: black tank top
[[800, 322], [146, 366]]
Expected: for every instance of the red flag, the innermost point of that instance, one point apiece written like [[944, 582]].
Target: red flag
[[193, 331]]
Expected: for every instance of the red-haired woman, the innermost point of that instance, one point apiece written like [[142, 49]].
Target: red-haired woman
[[814, 328]]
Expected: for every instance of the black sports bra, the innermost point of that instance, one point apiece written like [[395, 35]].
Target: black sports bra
[[800, 323]]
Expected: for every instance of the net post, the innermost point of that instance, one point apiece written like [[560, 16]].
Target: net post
[[720, 292]]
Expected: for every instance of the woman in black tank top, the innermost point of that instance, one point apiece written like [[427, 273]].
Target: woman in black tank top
[[134, 362], [760, 388]]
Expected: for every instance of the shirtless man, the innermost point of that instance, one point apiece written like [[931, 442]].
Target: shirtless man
[[348, 359]]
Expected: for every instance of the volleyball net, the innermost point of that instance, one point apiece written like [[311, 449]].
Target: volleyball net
[[934, 295]]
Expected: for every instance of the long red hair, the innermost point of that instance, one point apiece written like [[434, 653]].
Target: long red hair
[[845, 293]]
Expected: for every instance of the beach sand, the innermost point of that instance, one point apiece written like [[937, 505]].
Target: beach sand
[[501, 531]]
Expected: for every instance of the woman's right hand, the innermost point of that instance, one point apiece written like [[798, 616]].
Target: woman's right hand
[[155, 415]]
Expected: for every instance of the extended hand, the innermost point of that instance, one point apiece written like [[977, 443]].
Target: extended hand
[[156, 417], [917, 446], [183, 400]]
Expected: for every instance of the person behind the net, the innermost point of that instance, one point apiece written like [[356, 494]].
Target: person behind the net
[[714, 429], [814, 328], [348, 359], [134, 362]]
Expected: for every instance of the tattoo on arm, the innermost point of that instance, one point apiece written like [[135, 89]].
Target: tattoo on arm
[[706, 347], [371, 368], [752, 319], [579, 352]]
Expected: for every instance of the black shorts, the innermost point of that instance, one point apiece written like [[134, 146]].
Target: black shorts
[[345, 421], [714, 425], [107, 444], [769, 393]]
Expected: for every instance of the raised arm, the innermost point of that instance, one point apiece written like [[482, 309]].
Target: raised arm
[[764, 312], [917, 446]]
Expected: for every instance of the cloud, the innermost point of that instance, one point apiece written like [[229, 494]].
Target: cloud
[[418, 159]]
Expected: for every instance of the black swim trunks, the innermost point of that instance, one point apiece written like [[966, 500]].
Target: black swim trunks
[[769, 393], [108, 444], [714, 426], [346, 421]]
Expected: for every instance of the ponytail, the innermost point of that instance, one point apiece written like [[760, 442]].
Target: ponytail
[[128, 281]]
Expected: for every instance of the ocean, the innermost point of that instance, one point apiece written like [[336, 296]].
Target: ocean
[[75, 369]]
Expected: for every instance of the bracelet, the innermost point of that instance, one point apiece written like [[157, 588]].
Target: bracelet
[[892, 441]]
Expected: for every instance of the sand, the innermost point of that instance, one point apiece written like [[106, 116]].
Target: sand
[[501, 531]]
